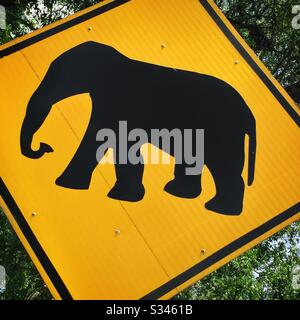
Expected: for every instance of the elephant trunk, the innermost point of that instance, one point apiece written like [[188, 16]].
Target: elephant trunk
[[35, 116]]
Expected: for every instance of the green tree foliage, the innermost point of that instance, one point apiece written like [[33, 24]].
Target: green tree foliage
[[265, 24], [24, 16], [267, 27], [265, 272], [23, 281]]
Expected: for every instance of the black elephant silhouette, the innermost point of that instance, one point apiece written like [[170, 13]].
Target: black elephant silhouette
[[147, 96]]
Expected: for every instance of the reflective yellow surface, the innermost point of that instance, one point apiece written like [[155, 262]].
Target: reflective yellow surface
[[161, 236]]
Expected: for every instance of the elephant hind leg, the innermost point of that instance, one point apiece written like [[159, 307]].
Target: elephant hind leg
[[224, 158], [230, 200], [184, 186]]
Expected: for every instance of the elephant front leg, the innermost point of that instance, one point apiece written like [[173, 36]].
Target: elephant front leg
[[129, 186], [78, 173], [183, 185]]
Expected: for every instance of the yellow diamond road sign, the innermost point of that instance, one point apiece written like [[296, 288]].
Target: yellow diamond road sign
[[142, 230]]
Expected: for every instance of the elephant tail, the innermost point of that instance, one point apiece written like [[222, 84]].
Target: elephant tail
[[251, 132]]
